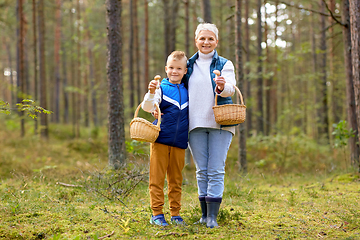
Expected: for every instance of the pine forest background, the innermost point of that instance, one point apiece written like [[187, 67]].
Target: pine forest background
[[293, 71]]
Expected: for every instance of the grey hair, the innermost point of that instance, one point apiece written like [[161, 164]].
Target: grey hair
[[207, 26]]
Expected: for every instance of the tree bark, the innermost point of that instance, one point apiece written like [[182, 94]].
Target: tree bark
[[187, 28], [131, 56], [247, 69], [21, 61], [116, 137], [57, 42], [315, 70], [273, 91], [146, 47], [335, 106], [72, 73], [240, 84], [91, 74], [350, 97], [139, 89], [171, 9], [323, 111], [268, 80], [167, 22], [35, 62], [173, 25], [79, 79], [355, 57], [65, 78], [42, 67], [260, 118], [206, 6]]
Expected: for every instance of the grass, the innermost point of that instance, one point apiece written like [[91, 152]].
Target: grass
[[273, 201]]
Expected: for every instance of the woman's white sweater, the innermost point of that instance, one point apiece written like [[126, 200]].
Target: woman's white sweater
[[201, 93]]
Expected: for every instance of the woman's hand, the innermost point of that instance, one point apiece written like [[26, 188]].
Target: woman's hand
[[220, 82]]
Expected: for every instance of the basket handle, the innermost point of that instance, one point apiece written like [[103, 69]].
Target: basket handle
[[159, 116], [238, 91]]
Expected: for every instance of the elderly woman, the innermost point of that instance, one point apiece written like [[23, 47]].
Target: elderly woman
[[208, 141]]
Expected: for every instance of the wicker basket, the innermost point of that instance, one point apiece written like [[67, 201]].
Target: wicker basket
[[230, 114], [143, 130]]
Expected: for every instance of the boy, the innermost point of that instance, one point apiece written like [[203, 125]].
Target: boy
[[167, 154]]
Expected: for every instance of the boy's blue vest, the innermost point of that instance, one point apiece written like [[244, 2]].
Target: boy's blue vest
[[217, 63], [175, 121]]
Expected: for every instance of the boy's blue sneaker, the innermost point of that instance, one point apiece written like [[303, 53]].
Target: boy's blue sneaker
[[159, 220], [177, 220]]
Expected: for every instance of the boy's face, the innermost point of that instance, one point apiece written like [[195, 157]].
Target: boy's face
[[175, 70], [206, 41]]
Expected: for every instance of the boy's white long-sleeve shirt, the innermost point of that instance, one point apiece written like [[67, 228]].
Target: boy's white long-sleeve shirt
[[150, 100], [201, 93]]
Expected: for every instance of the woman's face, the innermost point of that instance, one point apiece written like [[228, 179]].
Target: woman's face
[[206, 41]]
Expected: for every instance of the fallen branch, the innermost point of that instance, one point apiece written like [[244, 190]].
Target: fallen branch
[[106, 236], [68, 185]]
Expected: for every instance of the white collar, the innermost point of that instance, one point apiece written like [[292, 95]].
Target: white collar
[[206, 57]]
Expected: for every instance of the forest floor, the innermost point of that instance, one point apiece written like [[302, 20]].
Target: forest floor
[[62, 189]]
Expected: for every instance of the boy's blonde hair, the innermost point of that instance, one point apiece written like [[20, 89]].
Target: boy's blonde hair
[[207, 26], [177, 55]]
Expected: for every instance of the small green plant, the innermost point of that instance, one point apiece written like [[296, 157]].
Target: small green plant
[[342, 135], [136, 148], [13, 209], [292, 198], [27, 105], [4, 107]]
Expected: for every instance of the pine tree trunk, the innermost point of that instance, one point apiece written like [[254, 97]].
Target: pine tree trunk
[[65, 78], [187, 29], [146, 47], [131, 57], [35, 90], [260, 118], [9, 58], [268, 80], [274, 94], [117, 151], [350, 97], [240, 85], [173, 25], [355, 57], [72, 72], [315, 70], [323, 113], [42, 67], [79, 72], [335, 106], [206, 6], [91, 74], [57, 42], [139, 89], [21, 68], [249, 110]]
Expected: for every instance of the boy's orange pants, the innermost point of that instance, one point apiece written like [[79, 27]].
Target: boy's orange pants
[[169, 161]]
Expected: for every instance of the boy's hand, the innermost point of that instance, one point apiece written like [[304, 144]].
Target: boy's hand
[[152, 86], [155, 113]]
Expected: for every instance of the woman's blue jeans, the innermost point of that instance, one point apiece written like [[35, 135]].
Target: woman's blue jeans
[[209, 149]]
